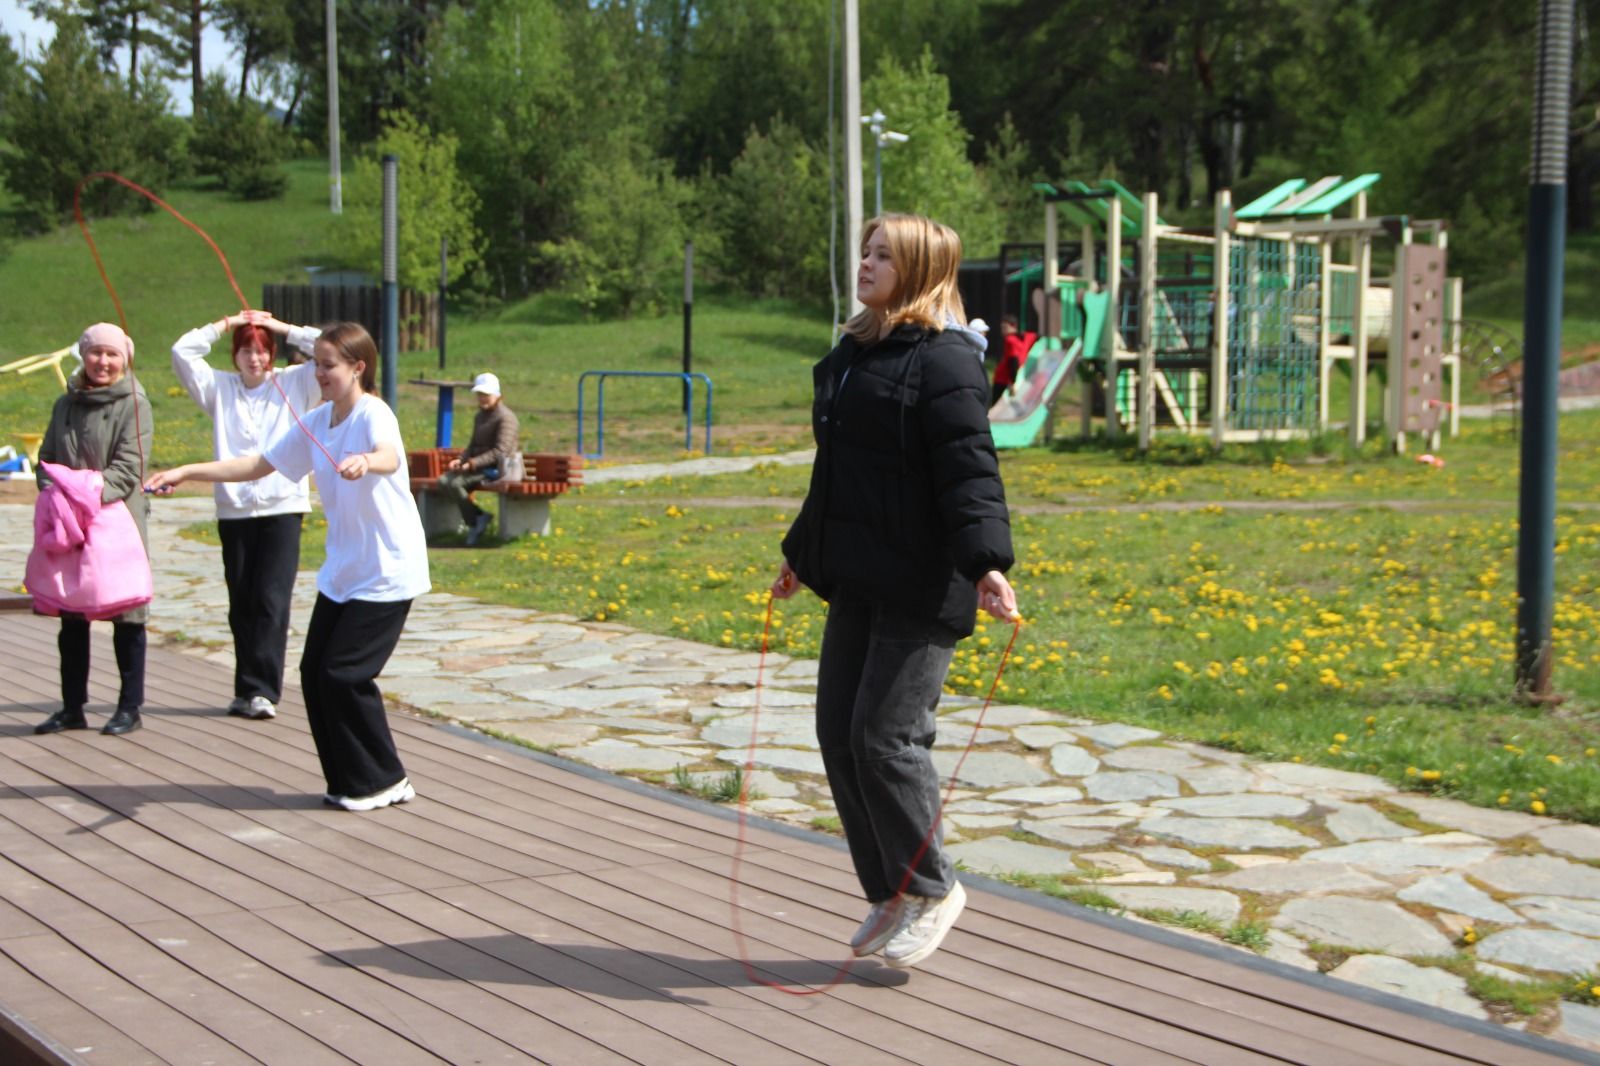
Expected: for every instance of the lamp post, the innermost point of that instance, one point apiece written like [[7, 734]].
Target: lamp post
[[880, 137]]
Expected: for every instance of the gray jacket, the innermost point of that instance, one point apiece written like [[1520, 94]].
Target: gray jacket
[[107, 429]]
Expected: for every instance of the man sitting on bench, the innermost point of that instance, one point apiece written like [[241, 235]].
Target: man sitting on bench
[[493, 454]]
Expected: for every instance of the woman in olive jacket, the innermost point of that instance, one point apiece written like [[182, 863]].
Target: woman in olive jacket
[[905, 532], [103, 423]]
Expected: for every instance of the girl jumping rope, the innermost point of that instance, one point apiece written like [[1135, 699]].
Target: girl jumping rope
[[905, 532], [377, 563]]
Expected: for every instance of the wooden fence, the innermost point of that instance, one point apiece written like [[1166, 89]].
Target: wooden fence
[[316, 305]]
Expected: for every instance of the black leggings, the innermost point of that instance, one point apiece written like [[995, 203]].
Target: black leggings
[[128, 640]]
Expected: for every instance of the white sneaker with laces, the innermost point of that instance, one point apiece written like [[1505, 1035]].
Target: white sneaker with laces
[[882, 922], [923, 927], [399, 792], [261, 708]]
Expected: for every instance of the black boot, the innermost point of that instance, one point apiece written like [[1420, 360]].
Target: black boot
[[65, 718], [126, 720]]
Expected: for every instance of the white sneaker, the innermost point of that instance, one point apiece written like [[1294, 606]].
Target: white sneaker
[[261, 708], [399, 792], [882, 922], [923, 926]]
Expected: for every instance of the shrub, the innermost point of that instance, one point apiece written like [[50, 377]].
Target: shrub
[[234, 141]]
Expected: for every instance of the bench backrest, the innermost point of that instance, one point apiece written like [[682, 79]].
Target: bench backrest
[[538, 466]]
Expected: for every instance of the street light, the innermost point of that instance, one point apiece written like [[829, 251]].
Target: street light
[[880, 137]]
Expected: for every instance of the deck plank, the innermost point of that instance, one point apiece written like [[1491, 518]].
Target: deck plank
[[181, 893]]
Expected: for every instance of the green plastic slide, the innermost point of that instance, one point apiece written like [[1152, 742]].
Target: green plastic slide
[[1018, 418]]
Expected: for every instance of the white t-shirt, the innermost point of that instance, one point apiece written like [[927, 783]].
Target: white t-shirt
[[243, 420], [376, 547]]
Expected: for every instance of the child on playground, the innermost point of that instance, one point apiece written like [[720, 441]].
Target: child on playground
[[905, 532], [103, 423], [258, 522], [377, 563], [1015, 347]]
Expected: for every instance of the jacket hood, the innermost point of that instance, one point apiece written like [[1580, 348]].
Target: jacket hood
[[82, 392], [81, 487], [978, 342]]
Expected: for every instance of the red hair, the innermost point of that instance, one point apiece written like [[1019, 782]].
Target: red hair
[[253, 336]]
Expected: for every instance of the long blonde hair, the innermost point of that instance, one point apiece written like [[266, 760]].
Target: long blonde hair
[[927, 256]]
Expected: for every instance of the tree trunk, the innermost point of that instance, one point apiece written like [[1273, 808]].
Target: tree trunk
[[196, 70], [294, 102], [133, 52]]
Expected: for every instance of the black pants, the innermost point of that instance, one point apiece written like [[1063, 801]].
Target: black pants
[[877, 686], [127, 639], [347, 645], [259, 559]]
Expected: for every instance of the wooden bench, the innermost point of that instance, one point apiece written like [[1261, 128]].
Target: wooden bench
[[524, 505]]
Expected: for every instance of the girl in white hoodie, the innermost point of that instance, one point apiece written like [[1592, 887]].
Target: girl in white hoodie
[[258, 521]]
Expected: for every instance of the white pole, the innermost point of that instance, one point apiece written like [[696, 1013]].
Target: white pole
[[336, 190], [1147, 323], [1219, 322], [1358, 364], [852, 146]]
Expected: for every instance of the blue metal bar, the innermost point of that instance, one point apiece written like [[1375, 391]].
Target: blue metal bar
[[445, 421], [688, 380]]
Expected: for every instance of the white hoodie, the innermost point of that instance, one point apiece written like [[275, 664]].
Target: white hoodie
[[243, 420]]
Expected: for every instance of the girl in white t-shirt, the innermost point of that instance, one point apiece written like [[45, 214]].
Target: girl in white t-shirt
[[377, 563], [258, 522]]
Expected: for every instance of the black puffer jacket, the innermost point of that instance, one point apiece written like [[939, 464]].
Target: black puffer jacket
[[905, 506]]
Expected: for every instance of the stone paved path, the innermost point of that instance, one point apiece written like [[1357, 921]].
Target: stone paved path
[[1336, 869]]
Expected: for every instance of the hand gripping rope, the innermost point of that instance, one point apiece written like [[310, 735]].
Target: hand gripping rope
[[122, 318], [843, 969]]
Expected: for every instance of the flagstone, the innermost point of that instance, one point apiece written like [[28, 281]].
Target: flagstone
[[1164, 856], [1295, 879], [1403, 856], [1541, 949], [1304, 775], [1130, 785], [1571, 915], [1000, 855], [1452, 892], [1043, 736], [1579, 841], [1222, 906], [1483, 821], [1372, 925], [988, 769], [1150, 757], [1539, 875], [1238, 806], [1115, 735], [1069, 760], [1247, 834], [1425, 984]]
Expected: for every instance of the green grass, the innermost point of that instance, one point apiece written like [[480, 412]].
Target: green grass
[[758, 353], [722, 788]]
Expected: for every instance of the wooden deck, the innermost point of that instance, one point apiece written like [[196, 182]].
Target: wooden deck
[[181, 895]]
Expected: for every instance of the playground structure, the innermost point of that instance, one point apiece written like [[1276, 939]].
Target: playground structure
[[1235, 331]]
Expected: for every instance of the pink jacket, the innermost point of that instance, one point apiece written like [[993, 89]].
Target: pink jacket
[[87, 556]]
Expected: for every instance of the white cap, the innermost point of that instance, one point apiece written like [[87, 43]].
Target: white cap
[[978, 324], [487, 384]]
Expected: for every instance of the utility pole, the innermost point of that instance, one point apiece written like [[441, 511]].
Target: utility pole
[[1541, 359], [391, 281], [336, 186], [852, 147]]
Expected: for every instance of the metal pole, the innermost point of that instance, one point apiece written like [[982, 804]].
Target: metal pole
[[444, 288], [336, 188], [391, 288], [852, 145], [877, 179], [1541, 360], [688, 315]]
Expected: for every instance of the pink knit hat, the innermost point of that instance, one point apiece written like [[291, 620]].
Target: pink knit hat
[[106, 335]]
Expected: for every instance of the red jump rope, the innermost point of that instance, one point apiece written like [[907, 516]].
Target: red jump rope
[[843, 969]]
